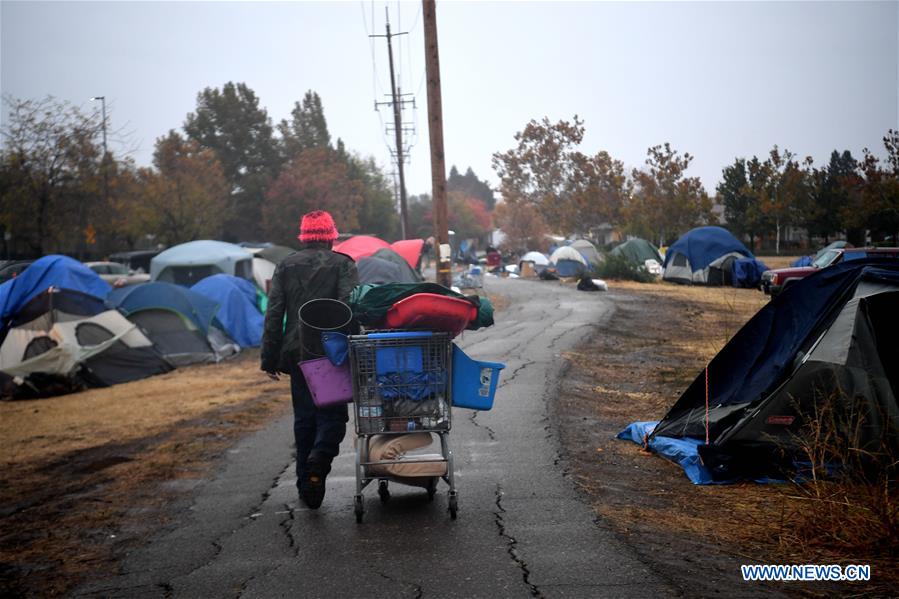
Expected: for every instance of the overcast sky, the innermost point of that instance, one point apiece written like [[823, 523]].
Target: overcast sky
[[716, 79]]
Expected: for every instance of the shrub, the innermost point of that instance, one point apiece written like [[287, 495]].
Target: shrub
[[620, 268]]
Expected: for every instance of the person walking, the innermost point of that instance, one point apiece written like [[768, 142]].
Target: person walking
[[313, 272]]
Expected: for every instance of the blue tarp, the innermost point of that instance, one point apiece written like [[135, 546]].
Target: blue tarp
[[49, 271], [802, 261], [747, 272], [704, 245], [166, 296], [683, 452], [570, 268], [237, 312]]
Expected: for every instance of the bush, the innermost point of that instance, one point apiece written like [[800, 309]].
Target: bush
[[620, 268]]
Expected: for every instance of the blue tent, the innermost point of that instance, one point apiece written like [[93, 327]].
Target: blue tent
[[237, 312], [49, 271], [166, 296], [829, 335], [701, 254]]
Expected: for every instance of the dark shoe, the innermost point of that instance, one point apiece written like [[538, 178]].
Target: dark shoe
[[312, 487]]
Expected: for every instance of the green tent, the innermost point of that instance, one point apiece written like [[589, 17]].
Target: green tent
[[637, 251]]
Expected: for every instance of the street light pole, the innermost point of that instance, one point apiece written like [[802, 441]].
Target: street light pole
[[105, 152]]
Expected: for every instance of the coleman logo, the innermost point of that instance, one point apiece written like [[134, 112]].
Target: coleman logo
[[782, 420]]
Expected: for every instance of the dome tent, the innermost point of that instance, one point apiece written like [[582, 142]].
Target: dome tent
[[179, 321], [237, 311], [193, 261], [569, 262], [637, 251], [703, 256], [588, 251]]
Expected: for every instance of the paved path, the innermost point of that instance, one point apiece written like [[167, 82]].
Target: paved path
[[522, 529]]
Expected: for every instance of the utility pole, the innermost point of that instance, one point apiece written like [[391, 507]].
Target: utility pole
[[435, 131], [398, 126], [105, 154]]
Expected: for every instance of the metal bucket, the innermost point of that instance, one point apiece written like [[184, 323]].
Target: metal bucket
[[319, 316]]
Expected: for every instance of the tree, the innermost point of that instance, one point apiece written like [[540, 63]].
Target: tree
[[50, 172], [878, 197], [540, 169], [377, 212], [187, 196], [307, 127], [317, 179], [599, 190], [231, 123], [741, 208], [523, 226], [666, 203], [470, 186]]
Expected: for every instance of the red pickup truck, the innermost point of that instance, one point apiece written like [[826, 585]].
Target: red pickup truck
[[775, 281]]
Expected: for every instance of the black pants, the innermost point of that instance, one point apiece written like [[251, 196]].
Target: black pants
[[317, 431]]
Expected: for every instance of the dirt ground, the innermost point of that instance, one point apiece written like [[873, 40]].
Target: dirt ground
[[653, 346], [80, 470]]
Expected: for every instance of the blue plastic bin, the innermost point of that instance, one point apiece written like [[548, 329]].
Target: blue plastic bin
[[474, 382]]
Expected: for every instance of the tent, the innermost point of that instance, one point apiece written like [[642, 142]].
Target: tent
[[705, 256], [588, 251], [50, 271], [538, 258], [68, 333], [237, 310], [193, 261], [569, 262], [377, 271], [824, 348], [263, 271], [637, 251], [179, 321], [360, 246], [410, 250], [391, 256]]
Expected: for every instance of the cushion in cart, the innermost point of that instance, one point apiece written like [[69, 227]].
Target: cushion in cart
[[396, 447]]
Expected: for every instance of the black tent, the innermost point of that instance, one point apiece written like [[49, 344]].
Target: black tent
[[823, 348], [391, 256], [377, 271]]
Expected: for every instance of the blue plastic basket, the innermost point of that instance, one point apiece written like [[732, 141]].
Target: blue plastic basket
[[474, 382]]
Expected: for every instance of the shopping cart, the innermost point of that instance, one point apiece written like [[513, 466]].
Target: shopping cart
[[402, 382]]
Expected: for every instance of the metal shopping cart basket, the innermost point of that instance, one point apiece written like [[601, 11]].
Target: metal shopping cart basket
[[402, 382]]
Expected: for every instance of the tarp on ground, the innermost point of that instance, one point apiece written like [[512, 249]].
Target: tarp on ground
[[637, 251], [49, 271], [409, 249], [370, 303], [747, 272], [237, 310], [193, 261], [360, 246]]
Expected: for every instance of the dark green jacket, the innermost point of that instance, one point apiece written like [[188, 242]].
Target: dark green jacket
[[314, 272]]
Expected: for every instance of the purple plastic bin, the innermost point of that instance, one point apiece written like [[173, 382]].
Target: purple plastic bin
[[329, 384]]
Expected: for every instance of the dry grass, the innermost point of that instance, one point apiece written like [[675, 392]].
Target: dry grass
[[77, 467], [656, 343]]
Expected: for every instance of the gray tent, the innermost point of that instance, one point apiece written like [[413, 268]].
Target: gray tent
[[193, 261], [391, 256], [377, 271]]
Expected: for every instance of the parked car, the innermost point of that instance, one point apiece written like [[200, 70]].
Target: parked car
[[10, 269], [775, 281], [117, 275], [137, 260]]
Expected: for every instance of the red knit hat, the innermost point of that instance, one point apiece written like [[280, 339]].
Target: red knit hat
[[317, 226]]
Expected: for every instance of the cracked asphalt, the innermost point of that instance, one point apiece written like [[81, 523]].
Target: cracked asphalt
[[522, 531]]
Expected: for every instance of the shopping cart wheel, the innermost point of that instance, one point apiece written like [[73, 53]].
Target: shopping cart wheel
[[357, 504], [453, 504], [383, 492], [432, 488]]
